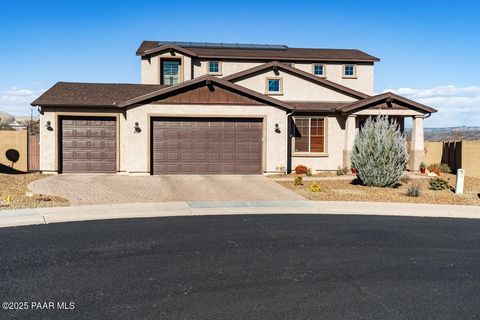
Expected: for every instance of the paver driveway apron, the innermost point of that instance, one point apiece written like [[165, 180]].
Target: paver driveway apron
[[105, 189]]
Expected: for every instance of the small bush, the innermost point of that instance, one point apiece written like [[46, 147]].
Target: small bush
[[445, 168], [314, 187], [414, 190], [435, 168], [301, 169], [342, 171], [438, 184], [298, 181], [379, 154], [309, 172]]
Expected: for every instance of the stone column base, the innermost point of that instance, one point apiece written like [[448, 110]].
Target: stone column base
[[416, 157]]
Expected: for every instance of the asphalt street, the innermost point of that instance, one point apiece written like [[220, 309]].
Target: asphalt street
[[243, 267]]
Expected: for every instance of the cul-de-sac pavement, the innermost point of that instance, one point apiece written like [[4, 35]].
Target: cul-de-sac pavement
[[245, 267]]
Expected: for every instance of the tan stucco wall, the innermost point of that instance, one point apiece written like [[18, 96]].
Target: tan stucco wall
[[49, 139], [136, 156], [228, 67], [150, 68], [133, 148], [16, 140], [333, 159], [294, 88], [364, 81], [469, 157]]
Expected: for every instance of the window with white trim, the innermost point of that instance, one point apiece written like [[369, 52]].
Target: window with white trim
[[309, 134], [349, 71], [319, 70], [274, 86], [214, 67]]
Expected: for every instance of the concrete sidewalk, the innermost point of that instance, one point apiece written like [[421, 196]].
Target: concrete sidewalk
[[189, 208]]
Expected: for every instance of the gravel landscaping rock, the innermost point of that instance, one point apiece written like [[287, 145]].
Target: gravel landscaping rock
[[342, 190], [15, 186]]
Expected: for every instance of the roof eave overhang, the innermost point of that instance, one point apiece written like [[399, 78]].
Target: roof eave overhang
[[168, 47], [208, 79]]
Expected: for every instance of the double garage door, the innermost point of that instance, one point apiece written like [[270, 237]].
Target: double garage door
[[178, 145], [206, 146]]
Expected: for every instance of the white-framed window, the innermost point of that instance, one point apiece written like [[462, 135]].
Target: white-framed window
[[349, 71], [309, 135], [273, 86], [214, 67], [319, 70]]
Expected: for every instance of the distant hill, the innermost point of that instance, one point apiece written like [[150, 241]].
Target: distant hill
[[449, 134], [6, 118]]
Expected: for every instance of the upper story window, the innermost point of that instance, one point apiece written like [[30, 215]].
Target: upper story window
[[309, 134], [349, 71], [319, 70], [170, 70], [214, 67], [274, 86]]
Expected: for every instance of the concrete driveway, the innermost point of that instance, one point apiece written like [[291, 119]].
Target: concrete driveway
[[106, 189]]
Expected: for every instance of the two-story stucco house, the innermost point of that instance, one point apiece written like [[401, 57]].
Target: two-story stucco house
[[208, 108]]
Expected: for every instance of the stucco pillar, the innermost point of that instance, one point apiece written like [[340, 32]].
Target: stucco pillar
[[417, 147], [350, 132]]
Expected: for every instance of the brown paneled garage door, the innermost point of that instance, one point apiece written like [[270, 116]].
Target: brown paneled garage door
[[88, 145], [206, 146]]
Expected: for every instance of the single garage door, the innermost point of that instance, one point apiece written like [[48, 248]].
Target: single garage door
[[88, 145], [206, 146]]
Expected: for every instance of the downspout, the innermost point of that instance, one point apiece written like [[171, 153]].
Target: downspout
[[287, 140]]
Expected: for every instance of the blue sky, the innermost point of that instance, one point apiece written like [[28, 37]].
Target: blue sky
[[428, 49]]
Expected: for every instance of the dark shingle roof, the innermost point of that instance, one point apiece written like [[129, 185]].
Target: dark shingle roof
[[307, 54], [92, 94]]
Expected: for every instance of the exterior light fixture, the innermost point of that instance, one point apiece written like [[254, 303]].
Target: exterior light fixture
[[277, 128], [137, 128], [49, 126]]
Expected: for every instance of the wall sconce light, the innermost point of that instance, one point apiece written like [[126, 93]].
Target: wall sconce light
[[49, 126], [137, 128], [277, 128]]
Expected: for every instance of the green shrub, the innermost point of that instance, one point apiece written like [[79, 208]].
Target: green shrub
[[298, 181], [301, 169], [445, 168], [438, 184], [414, 190], [314, 187], [379, 153], [342, 171], [309, 172]]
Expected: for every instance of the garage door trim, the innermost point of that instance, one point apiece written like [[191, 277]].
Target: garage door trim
[[59, 136], [154, 117]]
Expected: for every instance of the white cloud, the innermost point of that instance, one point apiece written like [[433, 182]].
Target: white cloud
[[456, 106], [17, 101]]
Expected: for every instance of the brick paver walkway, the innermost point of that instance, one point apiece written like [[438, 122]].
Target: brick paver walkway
[[106, 189]]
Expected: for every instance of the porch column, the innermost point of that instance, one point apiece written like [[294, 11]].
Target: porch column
[[417, 147], [350, 132]]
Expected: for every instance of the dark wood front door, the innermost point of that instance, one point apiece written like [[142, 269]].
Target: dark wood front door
[[206, 146], [88, 145]]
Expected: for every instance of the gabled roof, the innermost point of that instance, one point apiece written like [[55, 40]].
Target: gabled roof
[[387, 98], [260, 52], [300, 73], [92, 94], [170, 47], [207, 80]]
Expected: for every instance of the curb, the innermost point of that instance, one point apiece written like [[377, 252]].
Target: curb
[[23, 217]]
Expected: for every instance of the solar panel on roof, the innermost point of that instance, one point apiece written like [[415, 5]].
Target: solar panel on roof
[[224, 45]]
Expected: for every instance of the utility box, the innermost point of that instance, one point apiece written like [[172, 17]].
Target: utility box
[[460, 181]]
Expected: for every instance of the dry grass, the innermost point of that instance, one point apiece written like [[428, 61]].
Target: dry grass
[[344, 190], [15, 185]]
